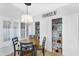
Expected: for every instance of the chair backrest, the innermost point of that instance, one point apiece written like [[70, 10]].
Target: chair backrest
[[27, 47], [33, 37], [15, 42], [44, 40]]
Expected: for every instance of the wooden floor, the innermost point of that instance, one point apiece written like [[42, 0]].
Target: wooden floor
[[39, 53]]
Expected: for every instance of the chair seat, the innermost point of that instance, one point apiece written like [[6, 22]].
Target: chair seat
[[27, 53], [17, 48], [39, 48]]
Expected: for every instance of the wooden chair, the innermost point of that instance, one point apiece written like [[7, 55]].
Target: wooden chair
[[27, 49], [35, 39], [42, 48], [15, 45]]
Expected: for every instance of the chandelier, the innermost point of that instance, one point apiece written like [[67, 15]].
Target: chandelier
[[27, 19]]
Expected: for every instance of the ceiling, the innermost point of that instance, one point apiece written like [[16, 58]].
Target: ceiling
[[8, 10], [39, 8]]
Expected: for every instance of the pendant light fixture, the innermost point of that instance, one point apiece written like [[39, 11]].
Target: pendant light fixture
[[27, 19]]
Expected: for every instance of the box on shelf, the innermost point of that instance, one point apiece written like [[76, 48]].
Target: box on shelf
[[57, 52]]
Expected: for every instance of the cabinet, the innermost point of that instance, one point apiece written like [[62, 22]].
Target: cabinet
[[37, 29], [57, 34]]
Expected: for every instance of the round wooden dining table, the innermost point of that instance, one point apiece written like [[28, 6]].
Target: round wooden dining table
[[27, 41]]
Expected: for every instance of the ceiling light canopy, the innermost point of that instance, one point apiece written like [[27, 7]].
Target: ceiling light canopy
[[28, 4]]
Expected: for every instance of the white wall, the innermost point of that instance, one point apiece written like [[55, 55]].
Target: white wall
[[70, 35], [70, 32], [7, 46], [0, 32], [11, 13], [45, 30]]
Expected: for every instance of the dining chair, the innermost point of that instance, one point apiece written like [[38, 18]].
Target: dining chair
[[42, 48], [15, 45], [27, 49], [35, 39]]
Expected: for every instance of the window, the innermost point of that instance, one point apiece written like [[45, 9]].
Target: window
[[15, 25], [15, 29], [22, 30], [6, 24], [6, 30]]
